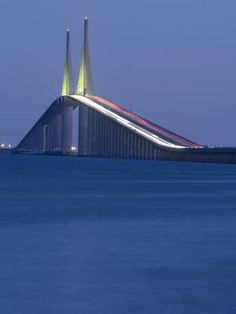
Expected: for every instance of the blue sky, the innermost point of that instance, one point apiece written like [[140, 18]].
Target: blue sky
[[174, 61]]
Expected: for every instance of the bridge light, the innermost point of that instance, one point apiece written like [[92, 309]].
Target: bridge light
[[2, 145], [73, 148]]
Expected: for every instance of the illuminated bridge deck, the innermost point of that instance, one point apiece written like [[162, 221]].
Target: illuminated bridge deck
[[154, 128], [135, 123]]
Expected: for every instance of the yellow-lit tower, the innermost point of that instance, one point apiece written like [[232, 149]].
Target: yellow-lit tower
[[67, 85], [85, 85]]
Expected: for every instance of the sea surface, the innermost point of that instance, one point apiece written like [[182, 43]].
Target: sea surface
[[100, 236]]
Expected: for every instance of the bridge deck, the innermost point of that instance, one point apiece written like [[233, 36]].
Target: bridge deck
[[146, 129], [156, 129]]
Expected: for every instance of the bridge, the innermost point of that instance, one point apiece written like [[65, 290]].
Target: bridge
[[106, 129]]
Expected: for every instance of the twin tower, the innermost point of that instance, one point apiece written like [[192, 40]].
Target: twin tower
[[84, 85]]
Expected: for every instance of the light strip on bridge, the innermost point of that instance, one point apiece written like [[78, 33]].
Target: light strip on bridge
[[130, 125]]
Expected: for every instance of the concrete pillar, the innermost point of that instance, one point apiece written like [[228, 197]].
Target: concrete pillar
[[118, 140], [45, 137], [83, 130], [98, 133], [90, 132], [95, 133], [103, 135], [135, 150], [115, 142], [38, 139], [66, 128], [151, 151], [58, 133], [142, 149], [126, 142], [49, 137], [110, 136], [155, 153], [122, 141], [52, 134], [146, 150], [131, 144], [107, 137]]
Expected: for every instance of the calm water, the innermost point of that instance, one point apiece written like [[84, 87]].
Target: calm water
[[116, 236]]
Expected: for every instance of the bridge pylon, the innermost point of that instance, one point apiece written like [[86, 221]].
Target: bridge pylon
[[67, 85], [85, 85]]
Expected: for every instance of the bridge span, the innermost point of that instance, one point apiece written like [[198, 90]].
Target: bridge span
[[106, 129]]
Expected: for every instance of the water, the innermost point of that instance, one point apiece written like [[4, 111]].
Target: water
[[100, 236]]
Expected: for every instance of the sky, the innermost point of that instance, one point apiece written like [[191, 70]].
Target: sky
[[172, 61]]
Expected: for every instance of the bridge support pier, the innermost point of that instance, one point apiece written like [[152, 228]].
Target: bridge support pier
[[66, 140], [58, 132], [83, 130]]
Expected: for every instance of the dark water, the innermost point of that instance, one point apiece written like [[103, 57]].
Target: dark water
[[116, 236]]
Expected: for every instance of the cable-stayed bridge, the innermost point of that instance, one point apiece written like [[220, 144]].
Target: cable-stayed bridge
[[106, 129]]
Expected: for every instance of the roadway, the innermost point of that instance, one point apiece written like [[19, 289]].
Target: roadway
[[146, 129]]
